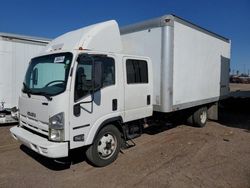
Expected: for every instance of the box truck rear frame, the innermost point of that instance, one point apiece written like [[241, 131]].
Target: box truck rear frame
[[98, 86]]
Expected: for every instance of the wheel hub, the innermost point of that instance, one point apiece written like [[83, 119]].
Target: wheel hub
[[107, 146], [203, 117]]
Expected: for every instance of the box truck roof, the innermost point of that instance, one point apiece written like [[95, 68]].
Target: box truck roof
[[24, 38], [167, 20]]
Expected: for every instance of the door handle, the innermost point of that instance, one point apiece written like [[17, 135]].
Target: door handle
[[114, 104], [148, 99]]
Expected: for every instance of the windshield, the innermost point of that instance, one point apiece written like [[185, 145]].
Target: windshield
[[47, 75]]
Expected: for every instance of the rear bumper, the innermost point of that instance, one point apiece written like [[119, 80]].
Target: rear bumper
[[39, 144]]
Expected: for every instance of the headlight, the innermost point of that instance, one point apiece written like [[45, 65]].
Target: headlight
[[56, 135], [56, 127]]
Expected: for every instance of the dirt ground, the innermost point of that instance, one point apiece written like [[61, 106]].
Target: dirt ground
[[239, 87], [217, 155]]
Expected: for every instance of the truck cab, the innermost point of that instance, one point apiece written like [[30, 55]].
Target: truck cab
[[82, 90]]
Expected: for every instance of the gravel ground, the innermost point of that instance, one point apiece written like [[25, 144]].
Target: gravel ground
[[217, 155]]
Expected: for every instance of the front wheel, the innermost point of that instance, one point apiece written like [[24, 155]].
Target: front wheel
[[105, 147]]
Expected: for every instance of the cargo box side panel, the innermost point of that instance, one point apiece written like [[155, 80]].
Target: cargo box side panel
[[147, 43], [5, 73], [22, 54], [14, 60], [197, 66]]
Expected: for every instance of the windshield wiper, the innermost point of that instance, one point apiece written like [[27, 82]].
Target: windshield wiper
[[26, 89], [45, 95]]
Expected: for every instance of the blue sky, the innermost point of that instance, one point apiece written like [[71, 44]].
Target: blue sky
[[50, 18]]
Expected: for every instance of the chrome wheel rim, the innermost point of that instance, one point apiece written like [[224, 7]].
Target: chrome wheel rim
[[203, 117], [107, 146]]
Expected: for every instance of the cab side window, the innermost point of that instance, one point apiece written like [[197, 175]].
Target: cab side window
[[84, 82], [108, 66], [137, 71]]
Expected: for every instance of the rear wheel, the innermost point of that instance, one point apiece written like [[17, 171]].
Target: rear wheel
[[105, 147], [200, 117]]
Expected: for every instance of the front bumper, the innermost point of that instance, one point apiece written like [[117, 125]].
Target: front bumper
[[39, 144], [7, 119]]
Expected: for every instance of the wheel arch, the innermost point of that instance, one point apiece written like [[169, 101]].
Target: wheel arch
[[116, 121]]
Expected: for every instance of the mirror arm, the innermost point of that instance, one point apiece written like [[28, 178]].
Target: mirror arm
[[85, 102]]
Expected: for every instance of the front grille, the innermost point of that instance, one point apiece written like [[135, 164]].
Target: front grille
[[34, 125], [34, 132]]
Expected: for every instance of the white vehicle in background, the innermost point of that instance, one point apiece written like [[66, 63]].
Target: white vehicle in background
[[97, 86], [15, 54]]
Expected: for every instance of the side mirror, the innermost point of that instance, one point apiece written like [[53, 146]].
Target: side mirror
[[97, 76], [77, 110]]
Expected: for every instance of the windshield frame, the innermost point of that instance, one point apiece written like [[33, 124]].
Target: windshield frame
[[28, 90]]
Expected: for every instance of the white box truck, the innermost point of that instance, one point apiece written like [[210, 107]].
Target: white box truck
[[15, 54], [98, 85]]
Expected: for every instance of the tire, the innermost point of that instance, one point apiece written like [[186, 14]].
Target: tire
[[105, 148], [200, 117], [190, 120]]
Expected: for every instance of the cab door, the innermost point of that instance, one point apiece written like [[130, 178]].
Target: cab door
[[88, 105], [137, 88]]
